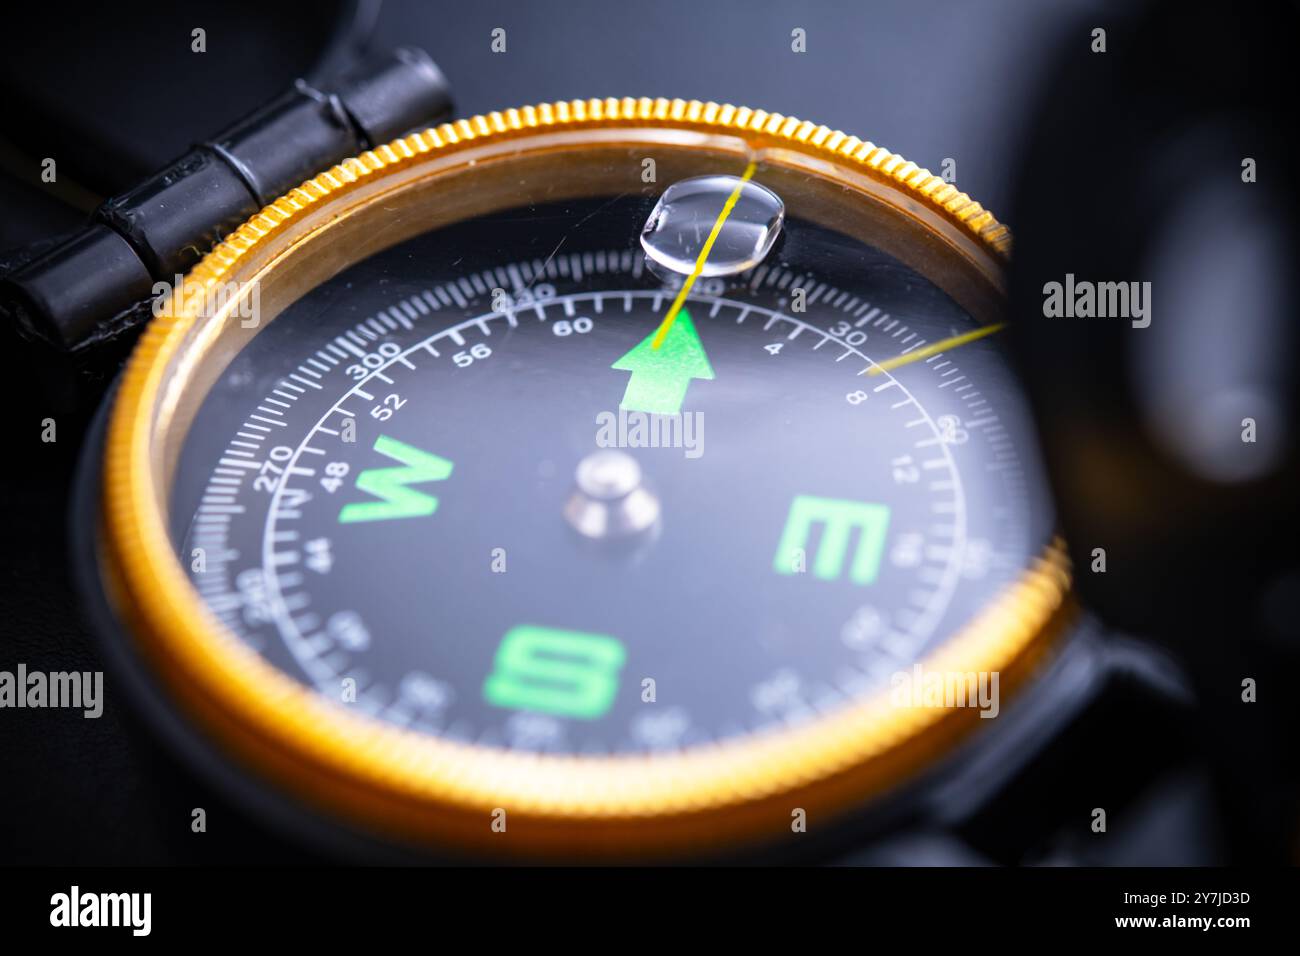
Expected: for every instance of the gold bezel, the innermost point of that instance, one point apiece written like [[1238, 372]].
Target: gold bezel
[[413, 787]]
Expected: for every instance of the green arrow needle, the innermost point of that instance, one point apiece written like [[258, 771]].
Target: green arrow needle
[[661, 374], [663, 365]]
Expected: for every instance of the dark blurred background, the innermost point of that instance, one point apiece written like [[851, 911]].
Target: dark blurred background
[[1087, 157], [115, 93]]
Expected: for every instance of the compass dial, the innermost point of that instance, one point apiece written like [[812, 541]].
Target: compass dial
[[608, 467], [379, 486]]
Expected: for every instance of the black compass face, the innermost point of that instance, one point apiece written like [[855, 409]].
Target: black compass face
[[462, 487]]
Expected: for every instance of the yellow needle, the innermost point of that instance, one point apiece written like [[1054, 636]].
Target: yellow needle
[[662, 332], [934, 348]]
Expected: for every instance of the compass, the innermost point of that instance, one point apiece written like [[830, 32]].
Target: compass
[[612, 478]]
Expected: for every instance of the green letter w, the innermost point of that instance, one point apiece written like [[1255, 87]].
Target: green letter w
[[390, 484]]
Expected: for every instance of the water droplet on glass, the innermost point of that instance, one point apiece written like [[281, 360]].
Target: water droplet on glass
[[681, 221]]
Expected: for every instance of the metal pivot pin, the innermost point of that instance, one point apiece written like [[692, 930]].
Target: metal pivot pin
[[610, 500]]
